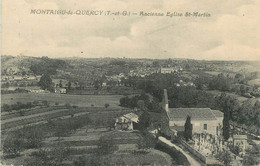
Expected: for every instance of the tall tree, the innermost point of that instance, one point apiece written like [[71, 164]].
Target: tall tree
[[242, 89], [188, 129], [144, 120], [69, 86], [46, 82], [226, 126], [60, 84]]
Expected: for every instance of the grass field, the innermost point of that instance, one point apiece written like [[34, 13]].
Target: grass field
[[153, 157], [79, 100]]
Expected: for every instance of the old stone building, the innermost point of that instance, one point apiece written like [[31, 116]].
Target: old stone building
[[204, 120], [127, 122]]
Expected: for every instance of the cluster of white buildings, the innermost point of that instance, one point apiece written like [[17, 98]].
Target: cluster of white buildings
[[19, 77]]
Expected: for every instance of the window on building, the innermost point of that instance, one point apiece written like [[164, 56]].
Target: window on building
[[205, 126]]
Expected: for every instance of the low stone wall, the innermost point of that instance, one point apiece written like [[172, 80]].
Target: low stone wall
[[194, 152]]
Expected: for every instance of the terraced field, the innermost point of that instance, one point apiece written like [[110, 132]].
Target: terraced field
[[81, 141], [31, 117], [89, 137]]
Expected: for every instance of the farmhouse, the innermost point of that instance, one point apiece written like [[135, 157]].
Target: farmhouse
[[127, 122], [204, 120], [61, 90]]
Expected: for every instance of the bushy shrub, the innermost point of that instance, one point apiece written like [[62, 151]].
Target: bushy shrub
[[106, 105], [147, 141], [17, 106], [224, 157], [67, 105], [106, 145], [35, 102], [12, 146], [45, 103], [6, 107]]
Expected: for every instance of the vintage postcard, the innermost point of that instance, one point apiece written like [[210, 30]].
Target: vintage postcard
[[99, 82]]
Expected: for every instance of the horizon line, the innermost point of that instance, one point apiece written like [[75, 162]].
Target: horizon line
[[80, 57]]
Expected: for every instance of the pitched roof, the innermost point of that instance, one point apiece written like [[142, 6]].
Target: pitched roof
[[194, 113], [132, 116], [239, 137], [218, 113], [177, 128]]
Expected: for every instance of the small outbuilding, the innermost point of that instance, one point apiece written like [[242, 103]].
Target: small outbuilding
[[127, 122], [61, 90]]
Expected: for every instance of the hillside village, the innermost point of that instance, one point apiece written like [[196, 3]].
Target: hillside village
[[120, 111]]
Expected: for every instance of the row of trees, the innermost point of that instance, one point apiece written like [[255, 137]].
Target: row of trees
[[20, 106], [46, 83], [225, 83], [18, 84], [46, 65]]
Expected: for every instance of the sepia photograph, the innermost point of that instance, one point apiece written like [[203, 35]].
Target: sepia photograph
[[130, 83]]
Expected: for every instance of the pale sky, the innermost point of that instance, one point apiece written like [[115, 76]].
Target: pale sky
[[231, 33]]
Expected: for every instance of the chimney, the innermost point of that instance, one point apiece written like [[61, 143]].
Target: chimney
[[165, 100]]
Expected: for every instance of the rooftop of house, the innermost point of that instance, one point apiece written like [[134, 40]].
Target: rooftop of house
[[132, 116], [194, 113], [218, 113], [239, 137], [177, 128]]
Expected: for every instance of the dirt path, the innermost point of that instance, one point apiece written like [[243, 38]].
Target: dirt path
[[191, 160]]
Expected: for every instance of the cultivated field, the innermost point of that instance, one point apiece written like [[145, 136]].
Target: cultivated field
[[78, 134], [79, 100], [50, 122], [67, 135]]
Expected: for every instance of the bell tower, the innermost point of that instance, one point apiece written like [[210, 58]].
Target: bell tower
[[165, 100]]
